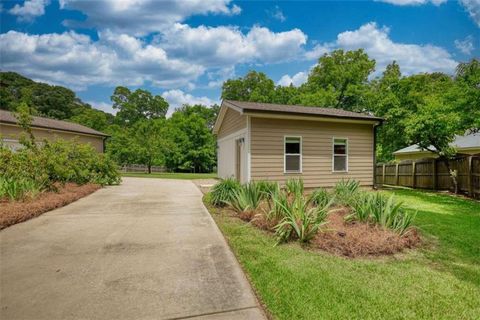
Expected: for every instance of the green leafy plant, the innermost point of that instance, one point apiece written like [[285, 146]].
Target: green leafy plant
[[380, 209], [246, 198], [224, 191], [300, 220], [268, 188], [346, 191], [18, 189], [294, 187], [321, 197]]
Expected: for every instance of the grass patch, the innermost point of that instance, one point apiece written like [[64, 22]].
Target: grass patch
[[170, 175], [439, 281]]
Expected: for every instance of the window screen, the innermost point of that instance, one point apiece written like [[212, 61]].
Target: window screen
[[340, 155], [293, 154]]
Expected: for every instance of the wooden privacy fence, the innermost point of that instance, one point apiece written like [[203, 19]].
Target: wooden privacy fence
[[432, 174], [140, 168]]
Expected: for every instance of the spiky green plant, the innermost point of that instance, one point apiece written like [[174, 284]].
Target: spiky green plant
[[321, 197], [247, 197], [294, 186], [382, 210], [18, 188], [278, 200], [300, 221], [223, 192], [268, 188], [346, 190]]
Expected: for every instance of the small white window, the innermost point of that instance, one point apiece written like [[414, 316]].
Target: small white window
[[340, 155], [293, 155]]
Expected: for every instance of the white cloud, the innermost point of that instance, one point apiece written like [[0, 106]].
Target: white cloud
[[75, 60], [177, 98], [465, 45], [140, 17], [276, 13], [412, 58], [473, 8], [104, 106], [218, 77], [413, 2], [317, 51], [30, 9], [296, 80], [223, 46]]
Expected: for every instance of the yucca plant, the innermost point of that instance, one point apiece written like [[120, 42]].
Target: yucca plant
[[300, 220], [321, 197], [223, 192], [346, 191], [278, 200], [246, 198], [294, 187]]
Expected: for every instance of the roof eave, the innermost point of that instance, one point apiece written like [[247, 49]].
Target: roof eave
[[99, 134], [286, 114]]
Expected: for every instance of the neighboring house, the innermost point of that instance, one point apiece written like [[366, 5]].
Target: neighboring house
[[48, 129], [466, 145], [261, 141]]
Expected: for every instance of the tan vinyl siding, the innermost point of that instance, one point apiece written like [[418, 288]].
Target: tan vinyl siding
[[14, 132], [232, 122], [267, 150]]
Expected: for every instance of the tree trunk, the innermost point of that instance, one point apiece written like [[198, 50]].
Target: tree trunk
[[149, 168]]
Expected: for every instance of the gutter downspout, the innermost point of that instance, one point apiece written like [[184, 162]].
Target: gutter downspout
[[375, 127]]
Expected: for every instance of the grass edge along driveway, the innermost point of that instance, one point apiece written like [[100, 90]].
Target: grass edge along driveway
[[441, 280], [170, 175]]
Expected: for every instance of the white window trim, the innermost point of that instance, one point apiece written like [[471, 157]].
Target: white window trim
[[285, 155], [346, 155]]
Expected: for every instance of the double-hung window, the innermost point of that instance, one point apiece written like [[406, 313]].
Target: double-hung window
[[293, 155], [340, 155]]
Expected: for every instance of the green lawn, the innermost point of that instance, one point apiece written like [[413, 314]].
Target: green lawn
[[439, 281], [171, 175]]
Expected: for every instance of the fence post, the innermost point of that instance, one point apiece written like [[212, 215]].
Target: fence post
[[413, 174], [396, 174], [434, 173], [470, 177], [383, 174]]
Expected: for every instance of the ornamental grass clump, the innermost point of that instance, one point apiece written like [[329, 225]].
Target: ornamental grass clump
[[268, 188], [382, 210], [346, 191], [321, 197], [246, 198], [223, 192], [294, 187], [300, 220]]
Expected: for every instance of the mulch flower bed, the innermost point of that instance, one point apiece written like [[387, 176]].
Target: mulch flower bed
[[348, 239], [19, 211]]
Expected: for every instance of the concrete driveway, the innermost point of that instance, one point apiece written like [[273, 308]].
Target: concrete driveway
[[146, 249]]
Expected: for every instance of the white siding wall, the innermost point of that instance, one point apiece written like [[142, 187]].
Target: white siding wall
[[226, 155]]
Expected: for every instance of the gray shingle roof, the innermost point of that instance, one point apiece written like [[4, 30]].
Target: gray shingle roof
[[40, 122], [461, 142], [300, 110]]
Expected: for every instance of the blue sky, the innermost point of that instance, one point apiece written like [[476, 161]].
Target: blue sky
[[185, 50]]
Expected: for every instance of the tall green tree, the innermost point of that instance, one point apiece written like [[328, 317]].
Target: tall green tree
[[192, 144], [254, 86], [339, 78], [137, 105]]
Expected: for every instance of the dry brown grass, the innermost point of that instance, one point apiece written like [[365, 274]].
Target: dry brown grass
[[19, 211]]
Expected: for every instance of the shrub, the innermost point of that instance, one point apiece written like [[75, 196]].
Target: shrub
[[300, 220], [224, 191], [382, 210], [35, 168], [294, 187], [246, 198], [321, 197], [346, 191]]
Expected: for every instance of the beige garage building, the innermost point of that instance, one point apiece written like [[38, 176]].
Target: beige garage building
[[49, 129], [261, 141]]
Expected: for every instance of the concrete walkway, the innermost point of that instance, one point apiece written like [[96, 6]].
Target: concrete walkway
[[147, 249]]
